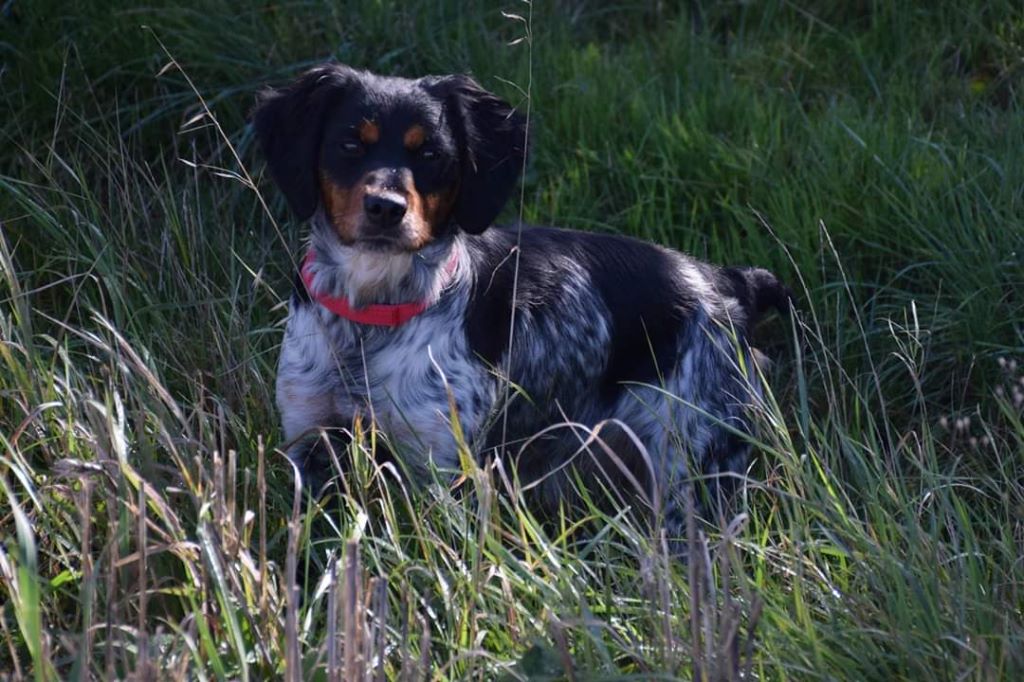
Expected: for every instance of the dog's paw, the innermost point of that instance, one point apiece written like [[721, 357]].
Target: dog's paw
[[320, 460]]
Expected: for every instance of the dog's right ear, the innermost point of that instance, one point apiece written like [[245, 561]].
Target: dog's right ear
[[289, 123]]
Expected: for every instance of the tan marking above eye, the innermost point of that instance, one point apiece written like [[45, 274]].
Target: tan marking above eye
[[369, 132], [414, 137]]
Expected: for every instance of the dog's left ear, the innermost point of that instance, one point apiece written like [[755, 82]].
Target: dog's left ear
[[491, 136]]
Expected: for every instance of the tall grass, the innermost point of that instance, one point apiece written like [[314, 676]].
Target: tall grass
[[868, 152]]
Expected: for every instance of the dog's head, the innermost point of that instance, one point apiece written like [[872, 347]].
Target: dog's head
[[394, 163]]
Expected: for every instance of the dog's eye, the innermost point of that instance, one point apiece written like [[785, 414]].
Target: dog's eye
[[352, 148], [429, 155]]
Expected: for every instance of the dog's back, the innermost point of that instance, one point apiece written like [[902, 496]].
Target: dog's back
[[612, 330]]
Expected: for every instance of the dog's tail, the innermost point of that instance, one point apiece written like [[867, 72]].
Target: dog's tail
[[759, 291]]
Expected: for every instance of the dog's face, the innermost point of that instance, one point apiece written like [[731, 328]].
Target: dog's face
[[393, 163], [388, 168]]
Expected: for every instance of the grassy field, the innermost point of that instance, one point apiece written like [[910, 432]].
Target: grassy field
[[869, 152]]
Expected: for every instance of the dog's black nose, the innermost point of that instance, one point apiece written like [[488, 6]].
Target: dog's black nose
[[384, 210]]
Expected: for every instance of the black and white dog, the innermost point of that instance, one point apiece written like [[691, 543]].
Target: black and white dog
[[409, 302]]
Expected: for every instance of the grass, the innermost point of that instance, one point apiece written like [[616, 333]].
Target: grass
[[868, 152]]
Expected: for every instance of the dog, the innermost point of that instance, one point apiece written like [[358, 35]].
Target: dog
[[628, 362]]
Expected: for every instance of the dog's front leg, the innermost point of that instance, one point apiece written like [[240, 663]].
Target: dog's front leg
[[321, 457]]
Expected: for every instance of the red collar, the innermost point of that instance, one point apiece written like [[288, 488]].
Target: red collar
[[376, 315]]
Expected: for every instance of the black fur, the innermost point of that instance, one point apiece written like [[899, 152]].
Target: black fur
[[289, 124], [758, 290], [492, 140], [638, 283]]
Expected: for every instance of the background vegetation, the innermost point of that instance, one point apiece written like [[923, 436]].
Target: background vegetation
[[868, 151]]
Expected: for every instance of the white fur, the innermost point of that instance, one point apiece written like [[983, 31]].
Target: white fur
[[332, 369]]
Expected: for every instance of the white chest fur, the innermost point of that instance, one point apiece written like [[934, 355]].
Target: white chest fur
[[332, 370]]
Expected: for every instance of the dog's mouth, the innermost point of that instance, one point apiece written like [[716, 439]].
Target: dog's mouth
[[379, 243], [403, 238]]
